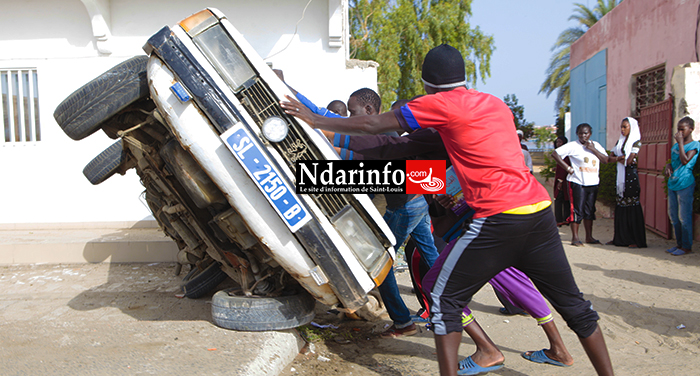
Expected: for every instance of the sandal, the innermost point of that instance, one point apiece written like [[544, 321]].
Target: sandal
[[468, 366], [595, 241], [577, 243], [540, 357], [680, 252]]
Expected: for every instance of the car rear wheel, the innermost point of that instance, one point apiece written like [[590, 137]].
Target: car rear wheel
[[105, 164], [88, 108], [231, 309]]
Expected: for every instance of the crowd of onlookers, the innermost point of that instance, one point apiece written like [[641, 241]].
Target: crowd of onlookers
[[577, 179]]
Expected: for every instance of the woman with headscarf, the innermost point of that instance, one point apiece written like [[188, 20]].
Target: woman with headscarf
[[629, 218]]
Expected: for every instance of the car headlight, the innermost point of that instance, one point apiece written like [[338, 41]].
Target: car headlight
[[361, 240], [222, 52], [275, 129]]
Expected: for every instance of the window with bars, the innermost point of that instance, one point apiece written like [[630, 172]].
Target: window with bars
[[19, 109], [649, 88]]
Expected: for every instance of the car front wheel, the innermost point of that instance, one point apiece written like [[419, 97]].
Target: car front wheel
[[231, 309]]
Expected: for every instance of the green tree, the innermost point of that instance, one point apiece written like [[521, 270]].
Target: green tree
[[544, 136], [518, 110], [398, 33], [557, 74], [560, 124]]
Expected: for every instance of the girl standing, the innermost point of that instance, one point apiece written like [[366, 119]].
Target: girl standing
[[585, 158], [629, 218], [681, 186]]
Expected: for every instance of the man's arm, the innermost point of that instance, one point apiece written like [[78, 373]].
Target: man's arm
[[528, 160], [684, 156], [420, 143], [314, 108], [356, 125], [561, 162], [348, 155], [308, 103], [603, 157]]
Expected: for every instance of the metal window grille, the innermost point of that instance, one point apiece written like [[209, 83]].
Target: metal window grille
[[650, 88], [19, 109]]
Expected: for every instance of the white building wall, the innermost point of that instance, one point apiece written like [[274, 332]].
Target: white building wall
[[685, 82], [42, 182]]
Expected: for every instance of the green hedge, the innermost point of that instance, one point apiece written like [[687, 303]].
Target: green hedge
[[550, 167], [607, 188]]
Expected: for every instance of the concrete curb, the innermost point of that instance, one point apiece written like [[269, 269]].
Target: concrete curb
[[276, 354]]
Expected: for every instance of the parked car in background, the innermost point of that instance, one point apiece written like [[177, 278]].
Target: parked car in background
[[199, 120]]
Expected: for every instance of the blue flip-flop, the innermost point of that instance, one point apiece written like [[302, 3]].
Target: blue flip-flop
[[541, 357], [468, 367], [672, 249], [678, 252]]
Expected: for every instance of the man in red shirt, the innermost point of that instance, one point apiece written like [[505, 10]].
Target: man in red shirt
[[513, 224]]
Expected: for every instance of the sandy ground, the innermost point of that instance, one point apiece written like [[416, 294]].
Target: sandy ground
[[122, 319], [115, 319], [648, 301]]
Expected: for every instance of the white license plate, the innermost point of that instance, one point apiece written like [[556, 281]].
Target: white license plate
[[268, 179]]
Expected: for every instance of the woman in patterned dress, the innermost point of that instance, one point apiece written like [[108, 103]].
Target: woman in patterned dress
[[629, 218]]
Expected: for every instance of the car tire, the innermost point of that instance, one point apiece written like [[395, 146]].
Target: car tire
[[105, 164], [86, 109], [231, 310], [198, 283]]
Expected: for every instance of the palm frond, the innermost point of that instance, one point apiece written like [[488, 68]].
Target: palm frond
[[558, 75]]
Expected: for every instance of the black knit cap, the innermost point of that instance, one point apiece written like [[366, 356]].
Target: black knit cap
[[443, 67]]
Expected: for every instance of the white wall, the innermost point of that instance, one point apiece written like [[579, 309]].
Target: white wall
[[42, 181], [685, 82]]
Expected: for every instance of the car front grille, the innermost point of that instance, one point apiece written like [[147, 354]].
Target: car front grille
[[261, 104]]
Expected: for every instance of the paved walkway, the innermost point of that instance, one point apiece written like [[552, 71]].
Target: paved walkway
[[122, 319]]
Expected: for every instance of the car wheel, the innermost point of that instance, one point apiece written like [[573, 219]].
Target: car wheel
[[105, 164], [230, 309], [197, 283], [86, 109]]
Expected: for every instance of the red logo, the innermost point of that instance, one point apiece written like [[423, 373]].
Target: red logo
[[425, 177]]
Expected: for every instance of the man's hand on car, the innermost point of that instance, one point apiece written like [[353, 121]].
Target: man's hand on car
[[296, 108]]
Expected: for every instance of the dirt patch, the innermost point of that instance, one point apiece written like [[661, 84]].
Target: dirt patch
[[648, 301]]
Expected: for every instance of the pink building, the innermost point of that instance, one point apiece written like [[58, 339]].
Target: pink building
[[624, 66], [641, 41]]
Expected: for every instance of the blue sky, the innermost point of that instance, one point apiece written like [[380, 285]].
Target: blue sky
[[524, 32]]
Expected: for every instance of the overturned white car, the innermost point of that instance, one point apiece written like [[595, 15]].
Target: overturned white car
[[200, 122]]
